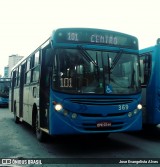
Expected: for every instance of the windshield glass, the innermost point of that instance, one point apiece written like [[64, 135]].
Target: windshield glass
[[4, 88], [98, 72]]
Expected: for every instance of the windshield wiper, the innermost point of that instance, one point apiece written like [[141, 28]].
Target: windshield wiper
[[86, 55], [115, 60], [109, 69]]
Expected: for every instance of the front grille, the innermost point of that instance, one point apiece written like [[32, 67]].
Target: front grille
[[93, 115], [116, 114], [90, 118], [94, 101], [90, 115]]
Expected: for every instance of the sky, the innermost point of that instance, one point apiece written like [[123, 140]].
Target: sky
[[26, 24]]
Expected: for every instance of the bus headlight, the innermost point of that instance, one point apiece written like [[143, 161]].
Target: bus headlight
[[139, 106], [58, 107]]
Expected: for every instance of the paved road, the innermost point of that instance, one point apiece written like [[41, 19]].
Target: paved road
[[19, 141]]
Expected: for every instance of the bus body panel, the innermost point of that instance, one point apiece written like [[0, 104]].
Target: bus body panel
[[30, 99], [4, 101], [56, 127], [152, 89], [26, 104], [88, 116]]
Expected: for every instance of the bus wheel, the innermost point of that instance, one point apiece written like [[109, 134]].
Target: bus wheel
[[16, 119], [41, 136]]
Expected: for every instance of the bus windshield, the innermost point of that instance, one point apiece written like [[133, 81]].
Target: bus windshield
[[93, 71], [4, 88]]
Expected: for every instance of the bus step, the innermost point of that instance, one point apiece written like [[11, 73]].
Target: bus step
[[21, 119], [45, 130]]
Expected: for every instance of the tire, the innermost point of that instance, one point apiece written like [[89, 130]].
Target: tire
[[41, 136]]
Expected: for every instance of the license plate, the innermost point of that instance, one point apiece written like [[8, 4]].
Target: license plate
[[104, 124]]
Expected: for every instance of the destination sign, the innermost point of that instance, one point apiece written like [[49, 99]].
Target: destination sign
[[95, 36]]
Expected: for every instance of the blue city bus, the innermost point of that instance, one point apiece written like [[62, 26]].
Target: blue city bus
[[79, 81], [150, 82], [4, 91]]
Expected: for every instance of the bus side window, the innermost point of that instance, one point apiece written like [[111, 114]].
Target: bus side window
[[55, 72], [141, 71], [145, 67], [16, 77], [28, 71], [48, 65], [35, 67]]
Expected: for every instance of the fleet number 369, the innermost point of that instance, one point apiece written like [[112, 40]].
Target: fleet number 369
[[123, 107]]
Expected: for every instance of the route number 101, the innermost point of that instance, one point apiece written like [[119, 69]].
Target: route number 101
[[66, 82], [72, 36]]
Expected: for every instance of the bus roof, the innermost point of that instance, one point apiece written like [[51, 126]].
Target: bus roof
[[89, 29], [150, 48], [126, 39], [24, 58], [94, 36], [145, 50]]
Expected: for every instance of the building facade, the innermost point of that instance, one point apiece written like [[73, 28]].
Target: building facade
[[6, 72], [12, 61]]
